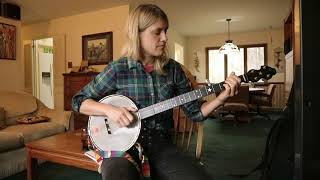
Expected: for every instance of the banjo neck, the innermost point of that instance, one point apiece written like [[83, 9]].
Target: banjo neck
[[180, 100], [184, 98]]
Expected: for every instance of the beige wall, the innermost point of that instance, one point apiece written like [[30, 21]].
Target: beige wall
[[274, 38], [174, 37], [12, 68], [74, 27], [67, 33]]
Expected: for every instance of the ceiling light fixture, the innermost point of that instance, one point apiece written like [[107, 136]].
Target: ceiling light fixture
[[228, 47]]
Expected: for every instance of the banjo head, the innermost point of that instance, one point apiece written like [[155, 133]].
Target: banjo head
[[107, 135]]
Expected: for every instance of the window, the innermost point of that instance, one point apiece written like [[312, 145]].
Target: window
[[220, 65], [178, 53]]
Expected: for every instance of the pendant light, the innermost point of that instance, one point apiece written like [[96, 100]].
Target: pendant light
[[228, 47]]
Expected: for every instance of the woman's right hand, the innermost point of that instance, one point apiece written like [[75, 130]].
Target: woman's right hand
[[121, 115]]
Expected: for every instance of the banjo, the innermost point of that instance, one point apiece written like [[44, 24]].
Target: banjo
[[107, 135]]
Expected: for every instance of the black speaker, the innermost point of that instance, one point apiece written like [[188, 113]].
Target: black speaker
[[10, 11], [308, 145]]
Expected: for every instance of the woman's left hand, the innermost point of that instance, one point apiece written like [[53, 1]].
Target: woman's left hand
[[231, 85]]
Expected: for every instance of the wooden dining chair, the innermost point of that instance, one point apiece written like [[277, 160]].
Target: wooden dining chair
[[236, 106], [184, 128], [263, 98]]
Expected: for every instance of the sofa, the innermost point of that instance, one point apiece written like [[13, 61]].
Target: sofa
[[14, 107]]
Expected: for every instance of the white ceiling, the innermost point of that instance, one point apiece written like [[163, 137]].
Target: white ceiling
[[188, 17]]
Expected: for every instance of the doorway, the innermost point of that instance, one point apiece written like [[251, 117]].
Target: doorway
[[42, 71]]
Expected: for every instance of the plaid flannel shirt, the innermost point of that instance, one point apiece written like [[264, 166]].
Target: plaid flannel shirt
[[129, 78]]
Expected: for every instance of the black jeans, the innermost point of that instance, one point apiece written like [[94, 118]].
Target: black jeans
[[118, 169], [166, 163]]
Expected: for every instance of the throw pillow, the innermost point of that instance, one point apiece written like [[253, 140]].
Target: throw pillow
[[2, 118], [33, 119]]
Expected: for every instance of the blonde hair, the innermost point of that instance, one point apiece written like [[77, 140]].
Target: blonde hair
[[140, 19]]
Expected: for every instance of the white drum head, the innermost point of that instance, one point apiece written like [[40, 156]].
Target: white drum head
[[106, 135]]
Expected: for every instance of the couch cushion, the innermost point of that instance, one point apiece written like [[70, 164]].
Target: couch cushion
[[2, 118], [16, 103], [10, 140], [13, 162], [31, 132]]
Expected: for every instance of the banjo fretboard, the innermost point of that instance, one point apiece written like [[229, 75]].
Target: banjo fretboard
[[179, 100]]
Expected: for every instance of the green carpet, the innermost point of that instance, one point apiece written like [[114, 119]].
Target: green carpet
[[228, 149], [52, 171]]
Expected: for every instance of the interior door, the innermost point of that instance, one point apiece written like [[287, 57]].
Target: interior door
[[46, 79]]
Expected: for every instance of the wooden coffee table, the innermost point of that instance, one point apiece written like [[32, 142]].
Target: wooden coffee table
[[65, 148]]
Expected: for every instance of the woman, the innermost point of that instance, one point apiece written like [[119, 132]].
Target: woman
[[146, 75]]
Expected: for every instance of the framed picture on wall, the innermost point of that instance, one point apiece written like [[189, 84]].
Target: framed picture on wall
[[7, 41], [97, 48]]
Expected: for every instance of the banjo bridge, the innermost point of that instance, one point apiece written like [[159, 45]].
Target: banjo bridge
[[107, 126]]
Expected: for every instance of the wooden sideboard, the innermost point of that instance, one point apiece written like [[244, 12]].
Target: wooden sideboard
[[73, 82]]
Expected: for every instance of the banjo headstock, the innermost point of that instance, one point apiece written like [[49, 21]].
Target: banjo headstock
[[265, 72]]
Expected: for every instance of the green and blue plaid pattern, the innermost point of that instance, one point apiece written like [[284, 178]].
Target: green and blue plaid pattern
[[129, 78]]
